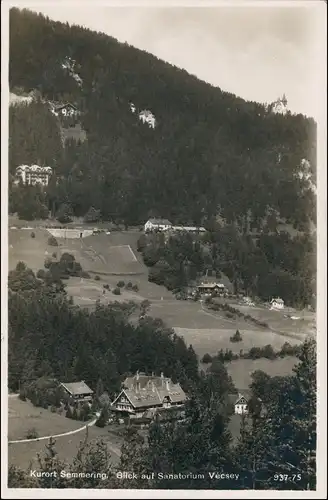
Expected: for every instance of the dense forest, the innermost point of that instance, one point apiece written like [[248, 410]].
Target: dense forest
[[49, 336], [210, 152], [273, 264]]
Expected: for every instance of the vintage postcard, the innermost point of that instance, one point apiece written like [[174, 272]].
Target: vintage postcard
[[163, 249]]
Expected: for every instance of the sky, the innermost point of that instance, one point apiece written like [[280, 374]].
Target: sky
[[257, 53]]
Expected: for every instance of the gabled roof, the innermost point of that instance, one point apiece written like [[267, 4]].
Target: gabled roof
[[235, 398], [76, 388], [34, 168], [66, 105], [211, 285], [147, 391]]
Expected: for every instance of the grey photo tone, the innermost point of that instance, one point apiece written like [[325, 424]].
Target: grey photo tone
[[162, 229]]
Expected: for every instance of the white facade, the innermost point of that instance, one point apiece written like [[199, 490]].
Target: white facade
[[34, 174], [157, 224], [189, 229], [277, 303], [147, 116], [241, 406]]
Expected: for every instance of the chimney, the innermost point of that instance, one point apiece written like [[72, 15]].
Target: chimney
[[167, 384], [162, 378], [137, 375], [153, 386]]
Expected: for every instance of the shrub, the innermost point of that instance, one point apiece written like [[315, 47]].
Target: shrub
[[53, 409], [236, 337], [52, 241], [47, 263], [97, 278], [84, 274], [41, 274], [120, 284], [32, 235], [207, 358], [32, 433], [129, 285], [69, 413], [106, 286], [117, 291], [54, 255], [22, 396], [135, 288]]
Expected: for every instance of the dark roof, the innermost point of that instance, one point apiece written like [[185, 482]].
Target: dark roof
[[234, 398], [76, 388], [147, 391], [211, 285], [67, 105]]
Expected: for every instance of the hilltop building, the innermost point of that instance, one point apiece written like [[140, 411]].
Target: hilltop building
[[67, 110], [147, 116], [141, 394], [33, 174]]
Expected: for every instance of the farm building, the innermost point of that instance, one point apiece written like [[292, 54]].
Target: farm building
[[78, 391], [157, 224], [33, 174], [143, 394], [189, 229], [277, 303], [217, 288]]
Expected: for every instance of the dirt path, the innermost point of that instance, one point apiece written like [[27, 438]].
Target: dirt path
[[69, 433]]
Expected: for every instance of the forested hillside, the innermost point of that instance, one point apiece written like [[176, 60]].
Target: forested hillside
[[209, 151]]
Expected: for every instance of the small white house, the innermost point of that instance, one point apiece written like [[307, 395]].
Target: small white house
[[277, 303], [241, 405], [157, 224]]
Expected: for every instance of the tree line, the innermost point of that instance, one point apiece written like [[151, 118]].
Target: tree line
[[273, 264]]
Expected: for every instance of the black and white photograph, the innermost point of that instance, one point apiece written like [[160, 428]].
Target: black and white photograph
[[164, 249]]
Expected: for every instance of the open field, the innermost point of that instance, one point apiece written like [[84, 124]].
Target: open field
[[23, 416], [212, 340], [277, 320], [114, 258], [24, 455], [32, 251], [240, 370]]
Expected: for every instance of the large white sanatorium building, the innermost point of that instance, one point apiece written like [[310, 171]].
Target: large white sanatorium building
[[33, 174]]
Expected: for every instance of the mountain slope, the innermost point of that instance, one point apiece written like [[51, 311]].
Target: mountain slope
[[209, 152]]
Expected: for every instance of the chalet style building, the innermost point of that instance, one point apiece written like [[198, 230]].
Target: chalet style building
[[142, 395], [78, 392], [211, 288]]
